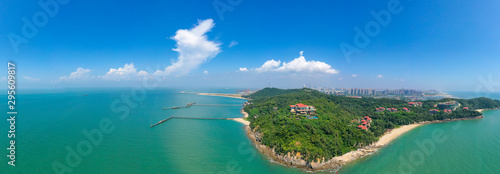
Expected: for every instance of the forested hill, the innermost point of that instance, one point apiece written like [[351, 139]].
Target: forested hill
[[480, 103], [270, 92], [335, 131]]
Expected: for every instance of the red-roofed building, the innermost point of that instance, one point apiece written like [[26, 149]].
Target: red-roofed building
[[406, 110], [466, 108], [365, 122], [433, 111], [368, 119], [418, 104], [392, 109], [302, 109], [362, 127], [381, 109]]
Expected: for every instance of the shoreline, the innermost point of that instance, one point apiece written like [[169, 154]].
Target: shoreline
[[481, 110], [334, 164], [292, 160], [446, 95], [242, 119], [238, 96]]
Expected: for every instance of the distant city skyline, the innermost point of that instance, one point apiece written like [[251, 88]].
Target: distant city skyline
[[391, 44], [369, 91]]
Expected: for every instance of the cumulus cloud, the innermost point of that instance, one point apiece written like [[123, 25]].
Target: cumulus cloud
[[380, 76], [127, 72], [270, 65], [243, 69], [232, 44], [193, 47], [299, 64], [79, 74], [354, 75], [31, 78], [205, 72]]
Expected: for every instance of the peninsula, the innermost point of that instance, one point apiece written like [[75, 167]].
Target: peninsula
[[222, 95], [314, 131]]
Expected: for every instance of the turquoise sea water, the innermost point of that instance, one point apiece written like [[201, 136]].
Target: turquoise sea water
[[49, 123]]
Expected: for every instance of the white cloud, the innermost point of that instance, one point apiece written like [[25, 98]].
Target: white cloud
[[243, 69], [127, 72], [299, 64], [79, 74], [205, 72], [31, 78], [232, 44], [380, 76], [354, 75], [193, 47], [270, 65]]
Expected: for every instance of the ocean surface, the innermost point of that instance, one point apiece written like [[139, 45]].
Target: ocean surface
[[51, 128]]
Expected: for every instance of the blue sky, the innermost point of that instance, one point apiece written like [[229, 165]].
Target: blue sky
[[426, 45]]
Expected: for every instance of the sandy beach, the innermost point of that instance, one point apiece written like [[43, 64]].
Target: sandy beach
[[223, 95], [446, 95], [242, 120], [362, 152], [481, 110], [245, 114], [393, 134]]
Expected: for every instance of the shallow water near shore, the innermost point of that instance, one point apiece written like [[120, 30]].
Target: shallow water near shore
[[48, 122]]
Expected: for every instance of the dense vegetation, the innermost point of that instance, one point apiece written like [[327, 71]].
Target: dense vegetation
[[270, 92], [479, 103], [335, 131]]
